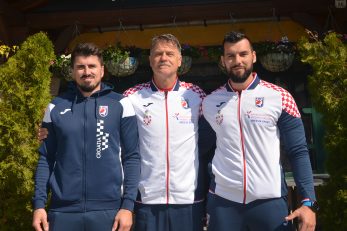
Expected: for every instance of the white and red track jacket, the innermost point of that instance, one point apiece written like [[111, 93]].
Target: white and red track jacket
[[249, 125], [168, 136]]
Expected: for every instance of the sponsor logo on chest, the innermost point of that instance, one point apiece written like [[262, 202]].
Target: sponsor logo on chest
[[260, 119]]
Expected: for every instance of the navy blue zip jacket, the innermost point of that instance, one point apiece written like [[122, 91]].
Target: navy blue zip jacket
[[81, 161]]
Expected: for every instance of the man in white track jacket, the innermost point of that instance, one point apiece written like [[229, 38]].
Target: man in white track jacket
[[250, 116], [168, 112]]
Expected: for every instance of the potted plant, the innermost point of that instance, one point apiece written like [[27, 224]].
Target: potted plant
[[275, 56], [61, 67], [119, 61]]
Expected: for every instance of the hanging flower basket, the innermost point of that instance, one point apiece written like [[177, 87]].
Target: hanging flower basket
[[185, 65], [275, 56], [61, 67], [277, 62], [120, 61], [121, 69]]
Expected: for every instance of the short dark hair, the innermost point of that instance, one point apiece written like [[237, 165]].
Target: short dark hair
[[167, 38], [234, 37], [86, 49]]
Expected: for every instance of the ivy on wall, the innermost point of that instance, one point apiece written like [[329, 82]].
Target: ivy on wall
[[24, 93]]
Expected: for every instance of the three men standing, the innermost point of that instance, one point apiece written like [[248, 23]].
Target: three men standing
[[249, 116]]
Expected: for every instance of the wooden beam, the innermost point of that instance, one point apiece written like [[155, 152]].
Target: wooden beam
[[26, 5], [182, 13], [148, 15]]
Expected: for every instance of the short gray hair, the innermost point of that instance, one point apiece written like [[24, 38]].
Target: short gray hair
[[166, 38]]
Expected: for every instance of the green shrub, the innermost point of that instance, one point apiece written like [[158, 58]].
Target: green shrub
[[24, 93], [328, 89]]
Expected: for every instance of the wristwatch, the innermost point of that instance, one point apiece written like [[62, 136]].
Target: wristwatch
[[313, 205]]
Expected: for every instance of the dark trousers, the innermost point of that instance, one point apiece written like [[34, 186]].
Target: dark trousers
[[259, 215], [87, 221], [162, 217]]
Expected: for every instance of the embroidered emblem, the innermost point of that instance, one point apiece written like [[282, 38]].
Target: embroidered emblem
[[66, 110], [219, 117], [184, 103], [147, 119], [220, 104], [147, 105], [259, 101], [103, 111]]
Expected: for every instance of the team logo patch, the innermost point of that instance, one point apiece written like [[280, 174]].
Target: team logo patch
[[184, 103], [103, 111], [219, 117], [259, 101]]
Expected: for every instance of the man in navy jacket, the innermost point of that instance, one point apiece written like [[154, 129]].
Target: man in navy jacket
[[93, 183]]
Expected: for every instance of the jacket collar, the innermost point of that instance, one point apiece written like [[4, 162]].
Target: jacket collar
[[174, 88], [251, 86]]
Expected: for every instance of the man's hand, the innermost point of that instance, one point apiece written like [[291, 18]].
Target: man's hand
[[42, 134], [40, 222], [307, 218], [123, 220]]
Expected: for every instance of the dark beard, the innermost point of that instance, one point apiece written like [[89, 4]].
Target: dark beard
[[239, 79], [88, 88]]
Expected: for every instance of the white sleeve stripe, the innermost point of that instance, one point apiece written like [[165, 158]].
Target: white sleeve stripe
[[128, 109], [47, 116]]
